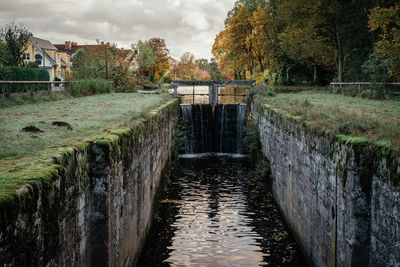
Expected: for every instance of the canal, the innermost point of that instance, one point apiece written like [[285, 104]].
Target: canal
[[215, 210], [216, 213]]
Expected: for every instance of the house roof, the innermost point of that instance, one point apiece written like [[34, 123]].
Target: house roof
[[63, 64], [52, 61], [71, 47], [41, 43]]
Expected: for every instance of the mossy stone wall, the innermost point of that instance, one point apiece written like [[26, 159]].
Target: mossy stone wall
[[93, 205], [340, 195]]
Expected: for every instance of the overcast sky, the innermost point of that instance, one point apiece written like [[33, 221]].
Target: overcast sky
[[186, 25]]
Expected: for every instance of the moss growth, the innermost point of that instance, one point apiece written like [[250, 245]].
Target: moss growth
[[331, 115], [369, 152], [34, 172]]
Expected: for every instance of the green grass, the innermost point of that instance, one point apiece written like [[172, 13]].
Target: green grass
[[376, 120], [23, 155], [87, 116], [26, 98]]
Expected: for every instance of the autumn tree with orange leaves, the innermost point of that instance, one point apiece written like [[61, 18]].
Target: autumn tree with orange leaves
[[161, 64], [299, 41]]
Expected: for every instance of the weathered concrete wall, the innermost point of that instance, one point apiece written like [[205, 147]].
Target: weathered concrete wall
[[94, 207], [340, 196]]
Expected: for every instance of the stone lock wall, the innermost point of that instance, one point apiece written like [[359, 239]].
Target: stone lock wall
[[340, 196], [94, 207]]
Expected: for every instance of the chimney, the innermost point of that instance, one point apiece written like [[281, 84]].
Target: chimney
[[68, 45]]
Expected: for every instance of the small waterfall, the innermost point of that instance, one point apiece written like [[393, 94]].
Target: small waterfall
[[188, 119], [241, 113], [203, 137], [220, 130]]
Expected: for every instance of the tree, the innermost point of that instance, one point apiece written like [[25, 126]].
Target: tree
[[305, 38], [232, 49], [145, 57], [377, 67], [386, 21], [187, 66], [201, 75], [203, 64], [250, 5], [89, 63], [13, 42], [161, 64], [209, 66], [214, 70]]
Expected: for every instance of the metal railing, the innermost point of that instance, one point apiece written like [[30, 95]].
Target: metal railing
[[213, 88]]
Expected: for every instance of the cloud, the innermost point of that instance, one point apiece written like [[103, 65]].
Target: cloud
[[186, 25]]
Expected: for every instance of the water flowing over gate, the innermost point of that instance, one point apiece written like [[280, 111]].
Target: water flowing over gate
[[218, 130], [214, 114]]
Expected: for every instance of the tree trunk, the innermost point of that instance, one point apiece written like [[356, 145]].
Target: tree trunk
[[339, 55], [315, 75], [261, 64], [287, 75]]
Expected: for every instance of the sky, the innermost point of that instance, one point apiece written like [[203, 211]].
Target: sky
[[186, 25]]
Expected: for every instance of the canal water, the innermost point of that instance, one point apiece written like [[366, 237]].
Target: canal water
[[216, 212]]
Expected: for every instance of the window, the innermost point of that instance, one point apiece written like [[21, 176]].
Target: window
[[58, 57], [26, 56], [58, 74]]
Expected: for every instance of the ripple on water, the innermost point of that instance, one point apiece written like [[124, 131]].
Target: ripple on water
[[216, 214]]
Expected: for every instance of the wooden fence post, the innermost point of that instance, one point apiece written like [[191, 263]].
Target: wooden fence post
[[8, 91], [193, 95], [210, 94], [32, 89]]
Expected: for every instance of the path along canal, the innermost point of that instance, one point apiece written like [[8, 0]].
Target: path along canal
[[217, 212]]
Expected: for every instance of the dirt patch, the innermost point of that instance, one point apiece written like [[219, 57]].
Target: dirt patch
[[62, 124], [32, 129]]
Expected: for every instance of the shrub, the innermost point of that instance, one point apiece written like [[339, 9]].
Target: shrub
[[89, 87], [264, 90], [23, 74], [32, 65], [150, 86]]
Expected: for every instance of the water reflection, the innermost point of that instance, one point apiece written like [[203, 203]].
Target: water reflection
[[216, 214], [228, 94]]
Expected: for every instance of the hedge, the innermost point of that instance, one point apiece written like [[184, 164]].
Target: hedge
[[23, 74]]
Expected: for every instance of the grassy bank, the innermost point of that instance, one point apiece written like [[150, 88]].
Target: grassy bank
[[23, 154], [26, 98], [376, 120], [86, 116]]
